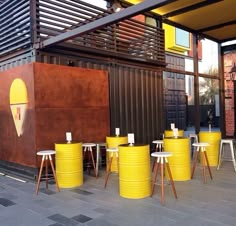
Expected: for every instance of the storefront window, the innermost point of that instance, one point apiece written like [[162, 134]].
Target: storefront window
[[189, 90], [209, 103], [208, 64]]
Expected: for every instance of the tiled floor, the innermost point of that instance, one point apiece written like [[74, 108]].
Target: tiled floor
[[198, 204]]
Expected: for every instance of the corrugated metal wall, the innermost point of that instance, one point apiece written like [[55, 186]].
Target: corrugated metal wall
[[135, 101]]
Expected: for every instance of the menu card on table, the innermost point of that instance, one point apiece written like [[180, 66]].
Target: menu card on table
[[117, 132], [175, 132], [68, 137], [131, 138]]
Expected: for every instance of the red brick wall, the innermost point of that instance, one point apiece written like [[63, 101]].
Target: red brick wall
[[229, 60]]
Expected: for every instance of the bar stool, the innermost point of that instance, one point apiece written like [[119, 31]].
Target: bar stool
[[113, 151], [46, 155], [224, 142], [162, 158], [201, 147], [89, 147], [159, 147], [193, 136], [99, 155]]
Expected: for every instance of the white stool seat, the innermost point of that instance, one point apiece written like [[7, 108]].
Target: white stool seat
[[161, 154], [229, 142], [112, 149], [159, 144], [157, 141], [46, 152], [88, 145], [201, 144]]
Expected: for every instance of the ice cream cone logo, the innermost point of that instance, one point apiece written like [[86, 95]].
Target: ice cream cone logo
[[18, 104]]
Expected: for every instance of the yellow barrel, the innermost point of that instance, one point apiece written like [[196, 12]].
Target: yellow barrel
[[213, 138], [169, 133], [134, 171], [69, 164], [114, 142], [180, 161]]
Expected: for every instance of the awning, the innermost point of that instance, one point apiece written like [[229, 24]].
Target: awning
[[215, 19]]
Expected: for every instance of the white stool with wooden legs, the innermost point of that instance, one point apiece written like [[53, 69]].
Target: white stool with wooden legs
[[162, 159], [159, 144], [159, 148], [114, 152], [89, 147], [201, 147], [46, 155], [224, 142]]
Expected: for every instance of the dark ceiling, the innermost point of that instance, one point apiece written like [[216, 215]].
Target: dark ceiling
[[215, 19]]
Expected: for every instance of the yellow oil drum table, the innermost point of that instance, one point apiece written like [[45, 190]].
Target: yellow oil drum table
[[213, 138], [180, 161], [169, 133], [69, 164], [134, 171], [114, 142]]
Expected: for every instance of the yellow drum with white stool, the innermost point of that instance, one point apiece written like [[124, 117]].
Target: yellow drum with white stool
[[69, 164], [180, 161], [169, 133], [114, 142], [134, 171], [213, 139]]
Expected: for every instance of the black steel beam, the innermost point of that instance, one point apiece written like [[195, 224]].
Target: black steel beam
[[228, 23], [146, 5]]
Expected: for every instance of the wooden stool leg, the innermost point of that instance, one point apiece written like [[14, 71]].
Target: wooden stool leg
[[171, 178], [194, 161], [40, 174], [54, 173], [153, 164], [162, 183], [203, 168], [108, 170], [208, 165], [46, 171], [155, 175], [94, 166]]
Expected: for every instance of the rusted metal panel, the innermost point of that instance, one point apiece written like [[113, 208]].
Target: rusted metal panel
[[60, 99]]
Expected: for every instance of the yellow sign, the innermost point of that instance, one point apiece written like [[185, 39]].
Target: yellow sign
[[18, 103]]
